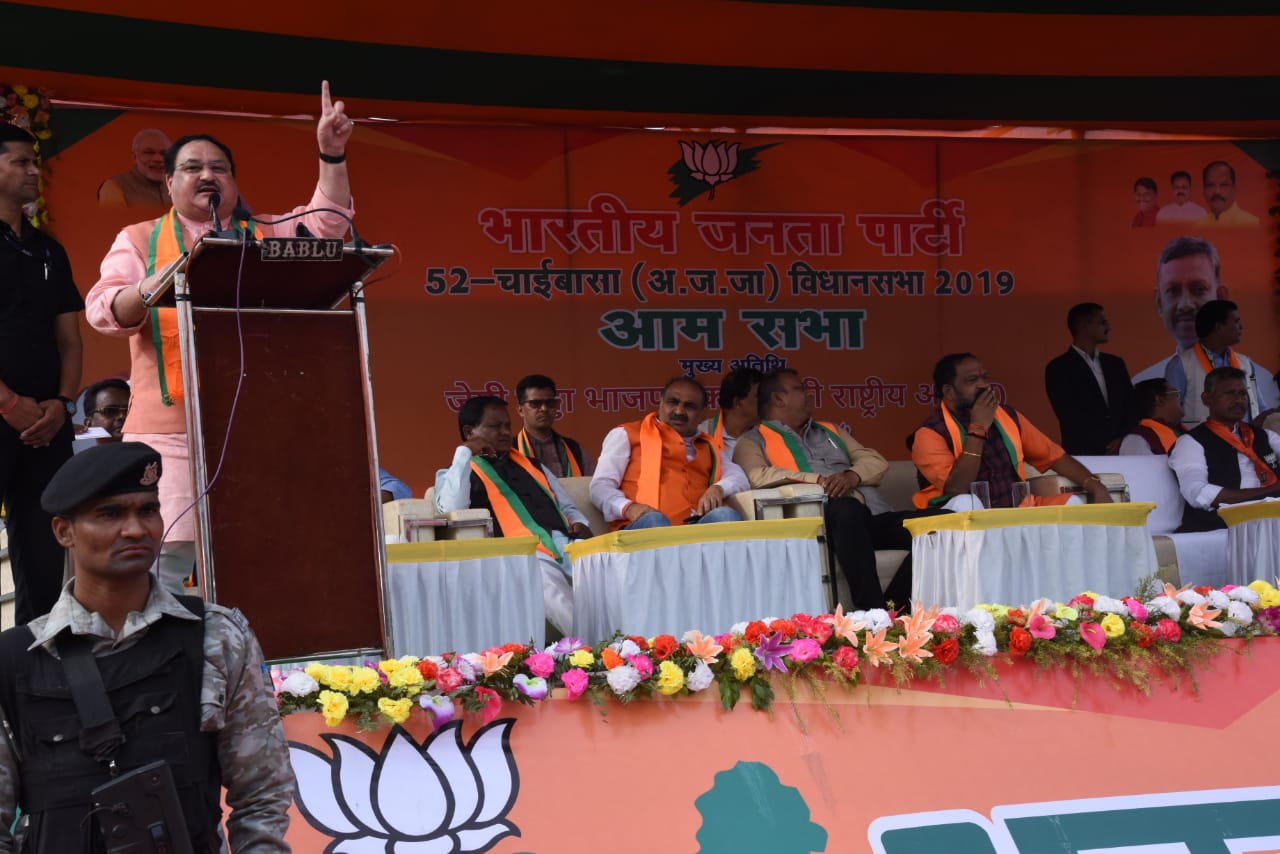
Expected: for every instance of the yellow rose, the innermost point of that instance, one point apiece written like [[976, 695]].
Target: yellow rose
[[1260, 586], [406, 677], [365, 680], [318, 671], [670, 678], [1065, 612], [389, 666], [19, 89], [31, 101], [1112, 625], [1270, 598], [582, 658], [44, 134], [333, 706], [743, 662], [396, 710], [339, 678]]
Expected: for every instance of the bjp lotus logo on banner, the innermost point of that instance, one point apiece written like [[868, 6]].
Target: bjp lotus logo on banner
[[438, 797], [705, 165]]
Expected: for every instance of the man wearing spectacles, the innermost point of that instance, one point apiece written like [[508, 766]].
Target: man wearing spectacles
[[539, 406], [201, 176], [40, 354], [1160, 407], [106, 403]]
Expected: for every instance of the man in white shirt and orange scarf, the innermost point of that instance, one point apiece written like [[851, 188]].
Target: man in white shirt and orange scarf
[[199, 170], [662, 470], [1224, 460]]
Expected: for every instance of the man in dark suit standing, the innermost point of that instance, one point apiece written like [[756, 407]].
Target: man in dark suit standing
[[1090, 391]]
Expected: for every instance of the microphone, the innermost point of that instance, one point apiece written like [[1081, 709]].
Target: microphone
[[215, 199], [302, 231]]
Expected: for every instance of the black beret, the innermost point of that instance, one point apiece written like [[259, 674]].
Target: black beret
[[13, 133], [114, 468]]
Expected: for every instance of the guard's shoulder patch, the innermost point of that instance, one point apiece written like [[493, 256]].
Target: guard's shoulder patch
[[237, 616]]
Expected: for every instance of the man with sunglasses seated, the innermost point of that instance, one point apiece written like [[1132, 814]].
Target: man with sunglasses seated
[[539, 407], [106, 403], [523, 495]]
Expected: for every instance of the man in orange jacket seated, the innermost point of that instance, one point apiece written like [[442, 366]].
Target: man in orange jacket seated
[[662, 470], [972, 437]]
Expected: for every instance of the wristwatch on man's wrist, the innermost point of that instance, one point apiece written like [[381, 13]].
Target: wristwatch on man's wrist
[[69, 405]]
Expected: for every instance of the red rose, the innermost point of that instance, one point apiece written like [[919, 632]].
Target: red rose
[[947, 651], [821, 632], [1019, 641], [1016, 617], [663, 646], [639, 641], [1081, 601], [448, 680], [786, 628], [846, 658], [1145, 636], [513, 647], [428, 669], [1168, 631], [755, 630], [1203, 589]]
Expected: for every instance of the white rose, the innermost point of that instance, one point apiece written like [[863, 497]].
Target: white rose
[[1239, 612], [1190, 597], [877, 619], [1229, 628], [700, 678], [738, 629], [623, 679], [1244, 594], [1218, 599], [1166, 606], [626, 648], [1107, 605], [984, 641], [979, 619], [299, 684]]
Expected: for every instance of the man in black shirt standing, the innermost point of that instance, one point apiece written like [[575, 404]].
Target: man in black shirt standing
[[39, 375]]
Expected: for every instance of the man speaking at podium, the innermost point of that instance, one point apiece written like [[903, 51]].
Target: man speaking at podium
[[201, 175]]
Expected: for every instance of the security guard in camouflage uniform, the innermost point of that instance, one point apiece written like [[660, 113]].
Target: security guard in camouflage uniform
[[185, 680]]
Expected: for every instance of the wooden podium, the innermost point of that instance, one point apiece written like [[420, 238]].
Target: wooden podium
[[282, 444]]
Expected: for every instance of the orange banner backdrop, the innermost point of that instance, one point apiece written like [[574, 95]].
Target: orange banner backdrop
[[1032, 763], [614, 260]]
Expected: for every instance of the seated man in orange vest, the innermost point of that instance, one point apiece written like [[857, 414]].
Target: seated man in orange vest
[[1159, 406], [788, 446], [523, 496], [972, 437], [662, 470]]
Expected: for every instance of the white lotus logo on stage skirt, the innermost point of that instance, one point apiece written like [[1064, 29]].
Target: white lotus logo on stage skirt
[[438, 797]]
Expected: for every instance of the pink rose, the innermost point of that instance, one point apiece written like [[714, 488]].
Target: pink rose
[[642, 664], [1168, 631], [1136, 609], [448, 679], [575, 682], [946, 625], [805, 649], [846, 657], [541, 664], [821, 632]]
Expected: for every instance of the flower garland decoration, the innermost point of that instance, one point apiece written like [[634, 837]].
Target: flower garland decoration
[[1169, 631], [28, 108]]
